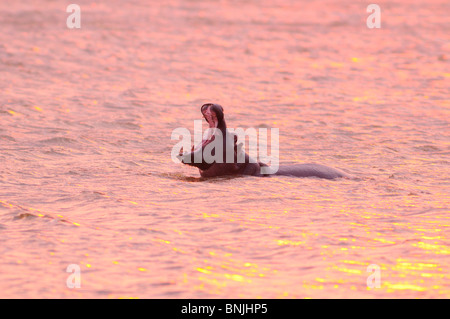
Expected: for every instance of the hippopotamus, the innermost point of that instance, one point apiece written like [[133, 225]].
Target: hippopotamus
[[230, 165]]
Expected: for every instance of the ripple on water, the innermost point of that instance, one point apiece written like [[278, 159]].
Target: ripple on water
[[7, 138], [60, 141]]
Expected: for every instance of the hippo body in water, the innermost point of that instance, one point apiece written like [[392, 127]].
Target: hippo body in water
[[214, 115]]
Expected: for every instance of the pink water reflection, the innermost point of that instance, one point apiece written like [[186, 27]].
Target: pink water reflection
[[86, 176]]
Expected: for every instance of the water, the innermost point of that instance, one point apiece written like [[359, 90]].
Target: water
[[86, 177]]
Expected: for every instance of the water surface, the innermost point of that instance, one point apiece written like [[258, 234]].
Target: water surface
[[86, 176]]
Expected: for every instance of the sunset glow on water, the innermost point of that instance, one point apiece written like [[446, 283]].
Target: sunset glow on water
[[86, 176]]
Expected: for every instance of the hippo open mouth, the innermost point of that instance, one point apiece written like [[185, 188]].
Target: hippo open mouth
[[213, 114], [209, 112]]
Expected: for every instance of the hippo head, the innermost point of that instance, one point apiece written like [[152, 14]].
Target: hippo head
[[214, 116]]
